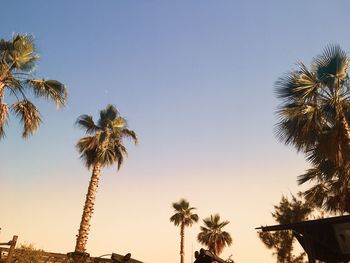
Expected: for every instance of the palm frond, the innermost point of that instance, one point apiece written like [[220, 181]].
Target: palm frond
[[299, 125], [176, 219], [310, 175], [316, 195], [118, 123], [107, 115], [119, 156], [332, 64], [103, 137], [130, 134], [50, 89], [194, 217], [15, 86], [181, 205], [87, 123], [106, 156], [88, 143], [21, 52], [120, 148], [29, 116], [89, 158], [87, 147], [298, 84]]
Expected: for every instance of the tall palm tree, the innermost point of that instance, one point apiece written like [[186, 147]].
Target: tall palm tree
[[183, 217], [213, 236], [314, 118], [102, 146], [17, 63]]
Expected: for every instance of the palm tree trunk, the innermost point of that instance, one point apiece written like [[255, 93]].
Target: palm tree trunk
[[344, 153], [2, 90], [344, 139], [4, 109], [182, 242], [84, 228]]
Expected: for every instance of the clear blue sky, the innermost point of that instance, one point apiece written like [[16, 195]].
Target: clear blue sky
[[195, 80]]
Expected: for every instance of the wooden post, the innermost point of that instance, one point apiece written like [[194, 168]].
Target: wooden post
[[12, 249]]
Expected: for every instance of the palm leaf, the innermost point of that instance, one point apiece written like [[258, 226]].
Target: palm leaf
[[15, 86], [29, 116], [310, 175], [107, 115], [50, 89], [118, 123], [21, 52], [298, 84], [88, 143], [106, 156], [333, 62], [130, 134], [89, 158], [87, 123], [119, 155], [299, 125]]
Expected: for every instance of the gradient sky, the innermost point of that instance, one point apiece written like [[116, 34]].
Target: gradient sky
[[195, 81]]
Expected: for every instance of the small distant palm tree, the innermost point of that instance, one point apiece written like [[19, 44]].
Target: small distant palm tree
[[103, 146], [183, 217], [212, 236], [17, 62]]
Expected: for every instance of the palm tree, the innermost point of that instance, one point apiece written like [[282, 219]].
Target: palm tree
[[102, 146], [183, 217], [17, 62], [314, 118], [213, 236]]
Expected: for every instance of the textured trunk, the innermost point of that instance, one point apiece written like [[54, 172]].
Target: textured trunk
[[4, 109], [182, 243], [88, 210], [342, 159], [344, 140], [344, 132], [343, 155], [2, 89]]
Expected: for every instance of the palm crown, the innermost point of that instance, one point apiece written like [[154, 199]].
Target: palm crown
[[314, 117], [183, 214], [213, 236], [104, 142], [314, 103], [17, 62]]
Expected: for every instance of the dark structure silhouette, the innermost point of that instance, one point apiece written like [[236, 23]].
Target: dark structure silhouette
[[327, 239], [205, 256], [8, 251]]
